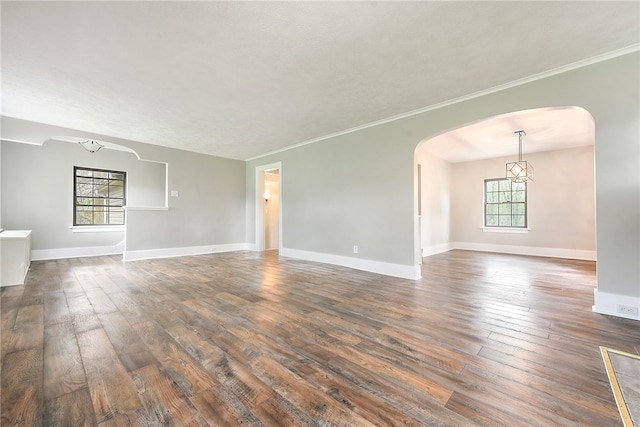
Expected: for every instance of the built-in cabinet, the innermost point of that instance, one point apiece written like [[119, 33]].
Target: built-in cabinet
[[15, 256]]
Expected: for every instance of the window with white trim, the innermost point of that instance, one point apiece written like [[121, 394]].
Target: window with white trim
[[505, 203], [99, 196]]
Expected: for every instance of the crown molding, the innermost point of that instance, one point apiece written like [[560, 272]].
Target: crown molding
[[514, 83]]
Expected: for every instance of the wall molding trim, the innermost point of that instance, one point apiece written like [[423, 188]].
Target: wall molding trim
[[61, 253], [182, 251], [527, 250], [388, 269], [607, 303], [436, 249]]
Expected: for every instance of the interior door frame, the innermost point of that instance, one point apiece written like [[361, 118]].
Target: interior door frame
[[259, 203]]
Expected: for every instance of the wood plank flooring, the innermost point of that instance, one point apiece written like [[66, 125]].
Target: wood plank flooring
[[253, 339]]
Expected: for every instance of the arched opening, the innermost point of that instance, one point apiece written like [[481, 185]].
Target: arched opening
[[450, 192]]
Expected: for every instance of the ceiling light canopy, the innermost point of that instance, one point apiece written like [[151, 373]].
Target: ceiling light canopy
[[91, 146], [520, 171]]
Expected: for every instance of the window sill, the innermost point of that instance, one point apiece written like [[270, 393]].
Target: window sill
[[96, 228], [505, 230], [145, 208]]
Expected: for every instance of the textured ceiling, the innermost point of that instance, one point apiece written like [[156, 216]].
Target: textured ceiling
[[239, 79]]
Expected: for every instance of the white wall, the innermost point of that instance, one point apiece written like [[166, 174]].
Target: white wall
[[560, 208], [205, 217], [435, 218]]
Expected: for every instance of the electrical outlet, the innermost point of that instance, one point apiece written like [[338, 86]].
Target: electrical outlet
[[175, 193], [355, 249], [627, 309]]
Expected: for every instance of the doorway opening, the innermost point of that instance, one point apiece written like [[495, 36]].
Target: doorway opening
[[269, 207], [451, 167]]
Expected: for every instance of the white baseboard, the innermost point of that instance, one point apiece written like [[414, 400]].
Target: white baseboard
[[182, 251], [527, 250], [436, 249], [61, 253], [607, 303], [411, 272]]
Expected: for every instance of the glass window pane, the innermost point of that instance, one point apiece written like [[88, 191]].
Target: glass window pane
[[518, 221], [492, 209], [505, 220], [518, 196], [505, 185], [117, 175], [492, 185], [492, 220], [83, 216], [100, 174], [116, 189], [116, 216], [84, 172], [101, 189], [505, 209], [116, 202], [492, 198], [100, 216], [84, 180], [517, 209], [519, 186], [84, 190], [505, 197]]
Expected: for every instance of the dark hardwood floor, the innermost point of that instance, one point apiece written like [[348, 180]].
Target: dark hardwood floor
[[253, 339]]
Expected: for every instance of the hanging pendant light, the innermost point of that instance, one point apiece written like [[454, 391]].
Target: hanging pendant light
[[520, 171]]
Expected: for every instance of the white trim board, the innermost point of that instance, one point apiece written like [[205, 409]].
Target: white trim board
[[411, 272], [527, 250], [607, 303], [182, 251], [436, 249], [62, 253]]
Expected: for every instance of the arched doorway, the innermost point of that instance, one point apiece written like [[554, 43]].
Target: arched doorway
[[451, 168]]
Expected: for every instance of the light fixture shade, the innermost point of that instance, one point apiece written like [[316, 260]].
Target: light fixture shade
[[521, 171], [91, 146]]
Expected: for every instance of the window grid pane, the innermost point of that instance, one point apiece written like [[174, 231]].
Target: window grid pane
[[99, 197], [505, 203]]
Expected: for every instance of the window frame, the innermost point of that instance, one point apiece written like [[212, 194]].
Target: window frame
[[106, 205], [511, 215]]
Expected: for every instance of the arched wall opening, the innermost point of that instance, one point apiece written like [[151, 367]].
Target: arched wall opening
[[450, 169]]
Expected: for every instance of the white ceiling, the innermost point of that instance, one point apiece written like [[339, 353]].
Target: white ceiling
[[239, 79], [546, 129]]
